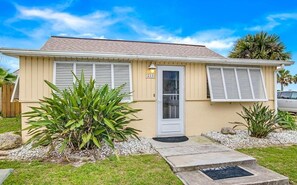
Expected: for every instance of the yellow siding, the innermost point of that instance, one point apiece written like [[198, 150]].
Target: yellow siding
[[203, 116], [33, 72], [268, 74], [199, 111], [195, 81], [143, 89]]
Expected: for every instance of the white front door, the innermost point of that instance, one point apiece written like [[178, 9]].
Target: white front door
[[170, 101]]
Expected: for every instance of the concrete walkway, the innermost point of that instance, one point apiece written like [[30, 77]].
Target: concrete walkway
[[4, 173], [188, 158]]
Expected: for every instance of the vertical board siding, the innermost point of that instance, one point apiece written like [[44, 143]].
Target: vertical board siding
[[196, 81], [9, 109], [144, 89], [33, 72], [268, 74]]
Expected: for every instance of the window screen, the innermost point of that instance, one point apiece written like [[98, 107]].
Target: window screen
[[235, 84]]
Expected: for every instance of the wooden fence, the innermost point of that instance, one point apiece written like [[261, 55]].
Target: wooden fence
[[9, 109]]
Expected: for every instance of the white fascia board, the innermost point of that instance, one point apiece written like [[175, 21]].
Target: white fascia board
[[225, 61]]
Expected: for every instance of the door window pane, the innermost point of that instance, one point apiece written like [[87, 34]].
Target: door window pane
[[170, 106], [170, 82], [170, 94]]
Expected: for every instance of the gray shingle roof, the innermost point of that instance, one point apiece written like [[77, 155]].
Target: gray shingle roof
[[71, 44]]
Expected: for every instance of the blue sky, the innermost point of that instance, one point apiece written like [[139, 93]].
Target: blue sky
[[214, 23]]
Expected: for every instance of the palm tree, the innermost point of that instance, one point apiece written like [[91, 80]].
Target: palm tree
[[294, 80], [260, 46], [6, 77], [285, 78]]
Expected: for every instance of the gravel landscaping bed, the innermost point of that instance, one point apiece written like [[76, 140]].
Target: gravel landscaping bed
[[242, 140], [132, 146]]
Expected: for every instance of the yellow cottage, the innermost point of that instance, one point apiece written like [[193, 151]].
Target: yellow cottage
[[182, 89]]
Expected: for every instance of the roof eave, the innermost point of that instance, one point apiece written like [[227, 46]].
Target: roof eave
[[60, 54]]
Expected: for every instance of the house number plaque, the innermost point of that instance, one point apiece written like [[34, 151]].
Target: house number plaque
[[150, 76]]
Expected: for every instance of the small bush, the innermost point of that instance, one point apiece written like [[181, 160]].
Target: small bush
[[259, 120], [82, 117], [287, 120]]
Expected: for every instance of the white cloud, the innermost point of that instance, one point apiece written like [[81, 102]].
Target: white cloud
[[102, 24], [273, 21], [61, 21], [220, 40]]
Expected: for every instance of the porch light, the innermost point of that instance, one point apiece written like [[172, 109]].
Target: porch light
[[152, 68]]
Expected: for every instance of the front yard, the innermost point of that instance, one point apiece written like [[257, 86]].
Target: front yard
[[279, 159], [142, 169], [136, 169]]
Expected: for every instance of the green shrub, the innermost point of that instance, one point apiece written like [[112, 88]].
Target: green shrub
[[259, 120], [287, 120], [82, 117]]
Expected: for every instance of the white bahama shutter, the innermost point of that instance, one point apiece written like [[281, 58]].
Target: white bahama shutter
[[257, 83], [244, 84], [87, 70], [103, 75], [216, 83], [233, 84], [64, 76], [230, 83]]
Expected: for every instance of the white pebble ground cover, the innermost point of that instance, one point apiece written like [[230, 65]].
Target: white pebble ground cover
[[242, 140], [130, 147]]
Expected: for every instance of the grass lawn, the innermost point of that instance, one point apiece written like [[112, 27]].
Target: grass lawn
[[279, 159], [142, 169], [10, 125]]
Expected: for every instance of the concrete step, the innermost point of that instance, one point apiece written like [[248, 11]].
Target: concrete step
[[211, 159], [262, 176]]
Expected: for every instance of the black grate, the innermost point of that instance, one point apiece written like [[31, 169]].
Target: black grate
[[226, 172], [171, 139]]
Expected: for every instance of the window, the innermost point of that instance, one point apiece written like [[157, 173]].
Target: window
[[278, 94], [113, 74], [233, 84], [294, 95], [286, 95]]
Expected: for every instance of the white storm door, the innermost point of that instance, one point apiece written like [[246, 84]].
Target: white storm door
[[170, 101]]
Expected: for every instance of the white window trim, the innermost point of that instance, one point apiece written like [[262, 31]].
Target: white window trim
[[224, 84], [16, 84], [94, 72]]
